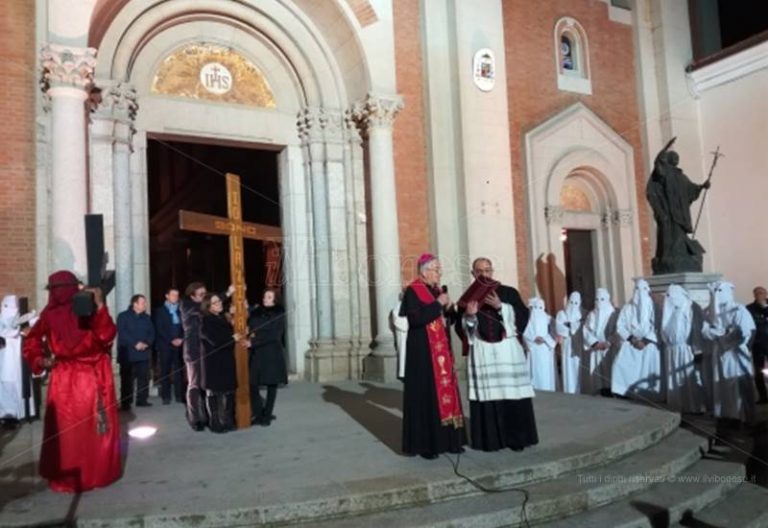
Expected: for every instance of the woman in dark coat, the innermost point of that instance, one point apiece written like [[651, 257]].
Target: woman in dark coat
[[267, 361], [218, 380]]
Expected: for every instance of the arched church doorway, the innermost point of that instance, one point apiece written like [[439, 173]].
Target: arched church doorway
[[188, 174], [581, 196], [282, 87]]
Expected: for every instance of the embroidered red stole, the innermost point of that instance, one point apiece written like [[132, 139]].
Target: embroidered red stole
[[446, 386]]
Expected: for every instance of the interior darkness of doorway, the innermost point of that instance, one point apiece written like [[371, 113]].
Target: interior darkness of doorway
[[580, 264], [189, 175]]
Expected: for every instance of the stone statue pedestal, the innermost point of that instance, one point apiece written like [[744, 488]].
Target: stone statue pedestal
[[695, 283]]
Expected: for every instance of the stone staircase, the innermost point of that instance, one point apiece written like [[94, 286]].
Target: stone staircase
[[601, 463], [666, 484]]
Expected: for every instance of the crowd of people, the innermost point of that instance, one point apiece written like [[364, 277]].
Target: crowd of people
[[197, 332], [667, 351], [696, 360], [81, 447]]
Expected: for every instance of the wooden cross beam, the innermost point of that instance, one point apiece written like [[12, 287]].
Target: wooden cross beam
[[234, 227]]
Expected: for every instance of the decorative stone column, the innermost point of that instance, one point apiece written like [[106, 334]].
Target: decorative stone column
[[376, 114], [311, 123], [122, 101], [66, 79]]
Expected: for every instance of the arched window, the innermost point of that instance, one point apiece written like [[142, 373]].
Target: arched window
[[572, 56]]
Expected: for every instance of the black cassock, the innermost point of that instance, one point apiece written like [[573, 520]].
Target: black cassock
[[498, 424], [219, 375], [423, 433]]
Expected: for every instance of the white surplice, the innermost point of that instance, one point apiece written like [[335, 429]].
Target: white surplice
[[497, 371]]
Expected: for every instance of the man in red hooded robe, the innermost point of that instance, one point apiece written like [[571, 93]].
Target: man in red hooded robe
[[81, 439]]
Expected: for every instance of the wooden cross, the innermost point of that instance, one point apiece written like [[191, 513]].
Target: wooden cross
[[234, 227]]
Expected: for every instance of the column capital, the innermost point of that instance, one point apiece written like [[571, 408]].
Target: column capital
[[319, 124], [554, 214], [377, 111], [118, 100], [351, 127], [622, 217], [310, 122], [67, 67]]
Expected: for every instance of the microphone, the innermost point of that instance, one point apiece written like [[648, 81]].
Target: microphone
[[444, 289]]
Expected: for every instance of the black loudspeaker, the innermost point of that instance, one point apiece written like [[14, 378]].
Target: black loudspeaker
[[94, 248], [83, 303]]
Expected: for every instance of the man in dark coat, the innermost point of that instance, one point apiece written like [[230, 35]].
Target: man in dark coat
[[135, 336], [190, 321], [170, 337]]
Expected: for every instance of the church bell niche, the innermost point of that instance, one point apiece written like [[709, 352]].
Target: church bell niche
[[212, 72]]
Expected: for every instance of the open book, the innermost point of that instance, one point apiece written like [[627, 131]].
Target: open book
[[478, 291]]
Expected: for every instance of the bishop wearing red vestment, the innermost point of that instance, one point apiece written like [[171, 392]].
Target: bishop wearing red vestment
[[81, 438]]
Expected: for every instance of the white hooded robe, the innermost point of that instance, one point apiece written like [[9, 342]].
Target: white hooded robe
[[679, 336], [599, 328], [636, 372], [541, 357], [12, 403], [569, 326], [728, 327]]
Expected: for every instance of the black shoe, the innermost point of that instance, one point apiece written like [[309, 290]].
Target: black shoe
[[762, 401], [125, 407], [457, 451], [256, 420], [166, 402], [266, 422], [144, 404], [198, 427], [429, 456]]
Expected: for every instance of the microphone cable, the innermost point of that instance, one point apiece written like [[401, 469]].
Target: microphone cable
[[523, 513]]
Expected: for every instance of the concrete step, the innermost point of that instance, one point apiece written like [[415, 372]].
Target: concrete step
[[662, 504], [332, 454], [564, 496], [745, 507]]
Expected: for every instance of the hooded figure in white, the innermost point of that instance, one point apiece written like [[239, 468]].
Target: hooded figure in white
[[637, 368], [569, 327], [599, 337], [12, 404], [400, 326], [728, 327], [681, 337], [540, 342]]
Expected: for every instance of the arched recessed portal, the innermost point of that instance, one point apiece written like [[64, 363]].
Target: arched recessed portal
[[311, 58], [582, 212]]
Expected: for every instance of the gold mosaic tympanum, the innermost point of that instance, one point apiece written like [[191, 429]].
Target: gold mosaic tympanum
[[212, 73]]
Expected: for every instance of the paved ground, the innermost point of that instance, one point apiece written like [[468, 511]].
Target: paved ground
[[329, 440]]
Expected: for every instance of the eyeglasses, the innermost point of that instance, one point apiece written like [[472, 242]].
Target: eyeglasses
[[217, 301]]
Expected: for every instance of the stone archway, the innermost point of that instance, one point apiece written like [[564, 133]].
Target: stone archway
[[313, 56], [576, 148]]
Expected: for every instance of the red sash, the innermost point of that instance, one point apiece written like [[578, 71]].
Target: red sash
[[446, 386]]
